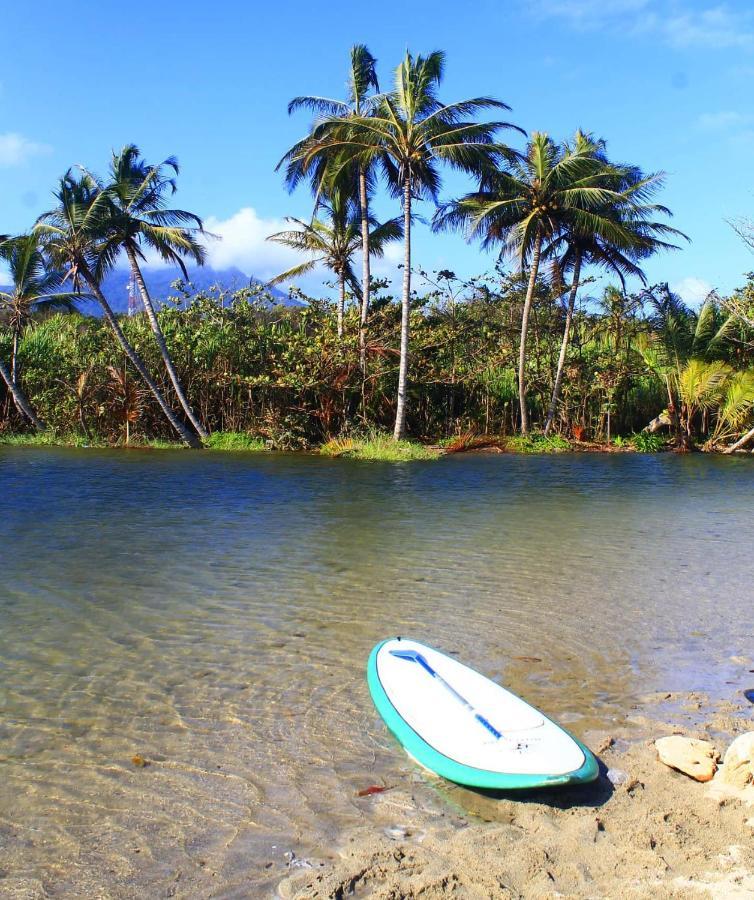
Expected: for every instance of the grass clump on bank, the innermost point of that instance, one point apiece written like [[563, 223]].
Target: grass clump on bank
[[537, 443], [47, 438], [648, 443], [235, 440], [377, 445]]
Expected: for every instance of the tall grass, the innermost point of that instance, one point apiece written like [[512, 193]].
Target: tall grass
[[377, 445]]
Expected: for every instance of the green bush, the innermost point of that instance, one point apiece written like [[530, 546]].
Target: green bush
[[648, 443], [537, 443]]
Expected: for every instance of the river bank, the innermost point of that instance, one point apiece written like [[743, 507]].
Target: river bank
[[654, 833], [377, 446]]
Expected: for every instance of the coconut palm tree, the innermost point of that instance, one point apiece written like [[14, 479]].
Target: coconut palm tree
[[526, 205], [36, 287], [140, 221], [409, 135], [616, 236], [332, 242], [300, 163], [76, 235]]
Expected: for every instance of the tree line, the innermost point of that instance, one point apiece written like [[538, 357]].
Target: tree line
[[521, 343]]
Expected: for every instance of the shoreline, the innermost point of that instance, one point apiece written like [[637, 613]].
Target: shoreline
[[646, 831], [377, 447]]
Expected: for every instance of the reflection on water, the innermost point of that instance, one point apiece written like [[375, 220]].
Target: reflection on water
[[214, 612]]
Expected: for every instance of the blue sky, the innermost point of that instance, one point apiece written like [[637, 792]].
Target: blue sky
[[668, 84]]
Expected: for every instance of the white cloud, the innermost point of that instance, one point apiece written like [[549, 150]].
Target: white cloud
[[243, 243], [675, 22], [692, 290], [717, 26], [16, 149], [240, 241], [723, 120], [387, 265]]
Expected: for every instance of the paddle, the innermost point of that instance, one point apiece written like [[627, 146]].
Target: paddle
[[414, 656]]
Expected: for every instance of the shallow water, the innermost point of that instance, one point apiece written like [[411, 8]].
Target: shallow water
[[213, 613]]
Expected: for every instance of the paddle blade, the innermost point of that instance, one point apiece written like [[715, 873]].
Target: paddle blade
[[410, 655]]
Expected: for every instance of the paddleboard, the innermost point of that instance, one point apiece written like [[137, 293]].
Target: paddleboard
[[461, 725]]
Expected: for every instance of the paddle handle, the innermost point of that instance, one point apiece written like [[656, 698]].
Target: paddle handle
[[488, 725]]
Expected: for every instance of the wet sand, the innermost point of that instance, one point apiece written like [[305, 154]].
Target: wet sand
[[658, 834]]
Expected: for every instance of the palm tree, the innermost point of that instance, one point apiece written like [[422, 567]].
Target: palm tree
[[76, 236], [333, 242], [362, 79], [527, 205], [409, 134], [22, 404], [616, 236], [36, 287], [140, 221], [686, 353]]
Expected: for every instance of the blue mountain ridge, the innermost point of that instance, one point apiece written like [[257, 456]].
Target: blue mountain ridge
[[159, 280]]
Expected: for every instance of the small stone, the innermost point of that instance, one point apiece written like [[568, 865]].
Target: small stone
[[695, 758], [738, 763], [139, 761], [617, 776]]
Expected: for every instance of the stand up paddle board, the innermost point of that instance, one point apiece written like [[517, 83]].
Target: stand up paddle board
[[464, 727]]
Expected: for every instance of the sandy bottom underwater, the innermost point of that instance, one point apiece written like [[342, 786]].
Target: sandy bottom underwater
[[658, 834]]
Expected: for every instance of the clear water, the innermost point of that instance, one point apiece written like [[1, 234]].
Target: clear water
[[213, 613]]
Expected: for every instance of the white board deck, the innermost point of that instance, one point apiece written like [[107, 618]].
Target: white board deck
[[531, 744]]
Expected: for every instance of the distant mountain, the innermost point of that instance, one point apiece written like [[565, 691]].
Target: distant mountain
[[159, 279]]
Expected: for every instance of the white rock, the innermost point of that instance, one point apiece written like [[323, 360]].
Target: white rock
[[738, 763], [695, 758], [617, 776]]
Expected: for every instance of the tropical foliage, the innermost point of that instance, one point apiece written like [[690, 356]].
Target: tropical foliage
[[526, 349]]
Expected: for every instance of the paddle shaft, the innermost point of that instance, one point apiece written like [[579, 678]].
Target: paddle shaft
[[417, 657]]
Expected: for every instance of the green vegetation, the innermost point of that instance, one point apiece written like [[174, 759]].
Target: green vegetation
[[235, 440], [377, 445], [537, 443], [648, 443], [524, 359]]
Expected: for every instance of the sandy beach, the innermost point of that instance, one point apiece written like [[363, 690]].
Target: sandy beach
[[655, 834]]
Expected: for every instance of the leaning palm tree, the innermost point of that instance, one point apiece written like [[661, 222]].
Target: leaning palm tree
[[527, 205], [616, 236], [140, 221], [36, 287], [19, 398], [332, 242], [409, 135], [76, 237], [300, 163]]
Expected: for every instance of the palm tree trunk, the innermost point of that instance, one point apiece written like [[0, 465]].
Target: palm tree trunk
[[564, 345], [741, 442], [524, 330], [186, 436], [341, 302], [400, 412], [14, 356], [160, 337], [22, 404], [365, 273]]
